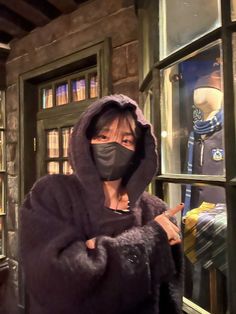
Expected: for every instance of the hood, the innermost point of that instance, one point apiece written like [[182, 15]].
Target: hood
[[81, 160]]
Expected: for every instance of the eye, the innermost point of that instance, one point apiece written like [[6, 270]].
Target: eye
[[101, 137], [128, 141]]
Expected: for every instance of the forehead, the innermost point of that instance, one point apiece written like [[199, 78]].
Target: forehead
[[119, 125]]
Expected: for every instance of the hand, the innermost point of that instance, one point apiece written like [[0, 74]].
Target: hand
[[91, 243], [123, 202], [173, 232]]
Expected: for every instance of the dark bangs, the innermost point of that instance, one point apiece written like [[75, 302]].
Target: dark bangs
[[107, 115]]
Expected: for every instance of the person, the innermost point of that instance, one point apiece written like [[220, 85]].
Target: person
[[95, 241]]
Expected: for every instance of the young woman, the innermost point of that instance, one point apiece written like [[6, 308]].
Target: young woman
[[95, 242]]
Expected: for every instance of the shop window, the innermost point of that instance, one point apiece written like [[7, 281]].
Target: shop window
[[2, 175], [61, 101], [176, 16], [57, 143], [193, 68], [76, 88], [192, 114], [204, 230]]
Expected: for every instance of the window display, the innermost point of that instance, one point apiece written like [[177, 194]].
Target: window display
[[192, 130], [192, 115], [204, 230], [177, 15]]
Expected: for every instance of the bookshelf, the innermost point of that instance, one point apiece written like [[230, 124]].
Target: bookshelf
[[2, 175]]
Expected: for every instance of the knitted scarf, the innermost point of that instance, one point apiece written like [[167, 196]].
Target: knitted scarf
[[199, 128]]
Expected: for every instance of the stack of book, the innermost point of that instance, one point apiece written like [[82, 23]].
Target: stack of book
[[52, 144], [47, 99], [93, 86], [53, 167], [78, 89], [62, 94], [67, 168], [66, 132]]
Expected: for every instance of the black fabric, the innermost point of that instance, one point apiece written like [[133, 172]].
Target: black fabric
[[111, 159], [116, 222], [126, 270]]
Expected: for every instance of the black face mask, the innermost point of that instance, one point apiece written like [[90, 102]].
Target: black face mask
[[111, 159]]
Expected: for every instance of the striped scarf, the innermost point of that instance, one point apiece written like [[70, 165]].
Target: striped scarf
[[205, 236], [199, 128]]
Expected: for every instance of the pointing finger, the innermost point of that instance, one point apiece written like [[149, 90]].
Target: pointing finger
[[172, 211]]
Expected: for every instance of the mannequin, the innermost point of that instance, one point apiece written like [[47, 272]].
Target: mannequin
[[205, 151], [206, 157]]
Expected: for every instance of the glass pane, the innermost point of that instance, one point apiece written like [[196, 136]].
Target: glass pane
[[66, 132], [192, 115], [233, 10], [67, 168], [1, 237], [176, 16], [2, 209], [52, 144], [62, 94], [53, 167], [93, 85], [2, 166], [78, 89], [47, 99], [2, 108], [204, 230]]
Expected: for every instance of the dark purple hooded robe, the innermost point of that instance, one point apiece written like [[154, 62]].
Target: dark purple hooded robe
[[136, 271]]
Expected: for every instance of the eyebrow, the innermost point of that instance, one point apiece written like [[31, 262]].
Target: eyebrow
[[123, 133]]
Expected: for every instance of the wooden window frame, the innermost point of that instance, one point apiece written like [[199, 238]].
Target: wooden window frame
[[229, 181], [28, 84]]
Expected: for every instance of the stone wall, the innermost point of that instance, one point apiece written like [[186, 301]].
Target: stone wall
[[97, 19]]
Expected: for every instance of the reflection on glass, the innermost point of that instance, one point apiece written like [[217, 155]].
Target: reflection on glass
[[66, 132], [62, 94], [233, 10], [78, 89], [47, 98], [53, 167], [204, 230], [52, 144], [192, 115], [177, 15], [2, 106], [1, 150], [93, 90], [67, 168]]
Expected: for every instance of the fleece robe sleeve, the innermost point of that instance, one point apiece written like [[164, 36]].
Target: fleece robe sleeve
[[60, 269]]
